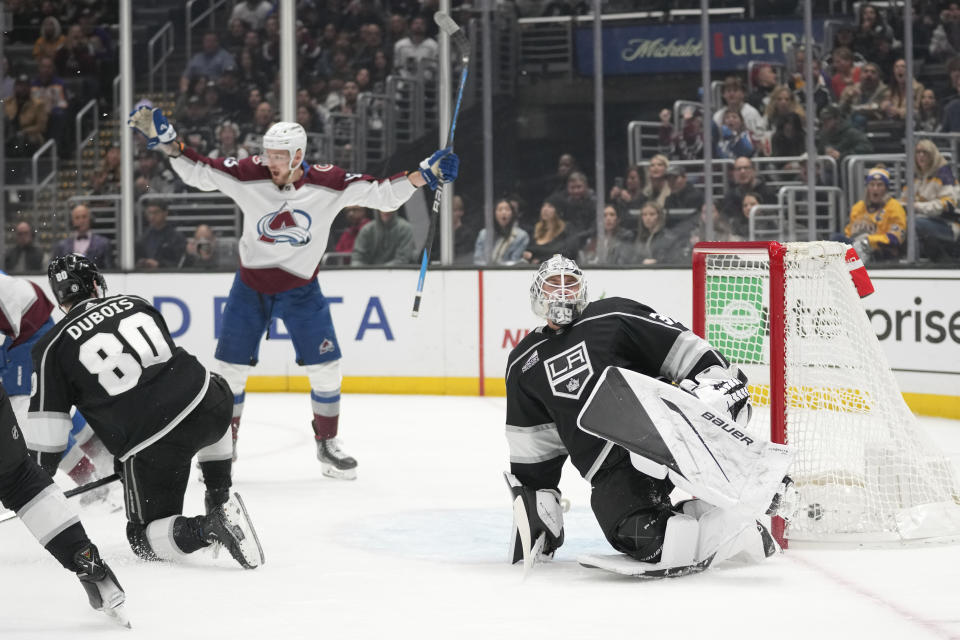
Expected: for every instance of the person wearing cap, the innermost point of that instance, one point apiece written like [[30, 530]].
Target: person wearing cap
[[837, 138], [288, 207], [878, 223], [683, 195]]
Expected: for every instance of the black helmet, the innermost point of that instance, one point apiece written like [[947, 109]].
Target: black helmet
[[72, 278]]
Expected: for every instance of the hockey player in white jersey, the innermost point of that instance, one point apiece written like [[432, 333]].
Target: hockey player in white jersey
[[288, 207], [585, 386]]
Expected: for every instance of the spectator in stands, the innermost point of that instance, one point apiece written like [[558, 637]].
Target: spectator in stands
[[253, 12], [722, 231], [885, 53], [415, 50], [211, 103], [204, 252], [953, 71], [464, 233], [555, 185], [348, 99], [764, 79], [371, 41], [616, 245], [48, 88], [895, 106], [844, 73], [106, 177], [510, 240], [151, 177], [683, 195], [872, 25], [76, 56], [232, 96], [862, 101], [270, 49], [655, 243], [396, 30], [210, 62], [732, 137], [929, 113], [195, 122], [877, 223], [656, 187], [782, 103], [161, 246], [550, 235], [357, 219], [227, 134], [837, 138], [745, 180], [733, 97], [387, 241], [252, 134], [790, 138], [741, 224], [822, 94], [627, 195], [935, 207], [195, 89], [24, 256], [50, 40], [26, 120], [83, 240], [580, 202], [379, 72], [308, 119], [250, 74], [687, 143], [945, 41], [235, 37]]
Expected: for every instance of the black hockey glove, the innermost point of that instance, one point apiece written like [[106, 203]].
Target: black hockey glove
[[535, 512]]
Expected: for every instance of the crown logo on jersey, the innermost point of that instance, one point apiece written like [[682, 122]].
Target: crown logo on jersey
[[285, 225]]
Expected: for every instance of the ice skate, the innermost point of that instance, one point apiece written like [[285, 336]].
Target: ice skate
[[230, 526], [334, 463]]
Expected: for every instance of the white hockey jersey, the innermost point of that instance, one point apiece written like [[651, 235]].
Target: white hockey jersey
[[285, 229], [23, 308]]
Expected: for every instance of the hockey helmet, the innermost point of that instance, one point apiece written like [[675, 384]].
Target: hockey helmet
[[72, 278], [559, 291], [286, 135]]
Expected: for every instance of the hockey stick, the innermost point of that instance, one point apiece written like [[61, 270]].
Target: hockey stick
[[448, 26], [96, 484]]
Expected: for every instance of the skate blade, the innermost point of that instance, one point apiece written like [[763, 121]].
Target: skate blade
[[331, 471], [250, 545], [119, 615]]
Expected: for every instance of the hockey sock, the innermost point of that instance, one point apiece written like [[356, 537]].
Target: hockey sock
[[325, 382], [83, 471], [325, 427]]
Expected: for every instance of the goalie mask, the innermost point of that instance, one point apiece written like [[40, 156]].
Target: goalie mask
[[286, 135], [74, 278], [559, 291]]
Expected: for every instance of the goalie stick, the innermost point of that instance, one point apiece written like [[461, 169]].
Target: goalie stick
[[448, 26], [96, 484]]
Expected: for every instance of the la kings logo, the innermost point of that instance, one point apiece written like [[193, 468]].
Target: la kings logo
[[569, 372]]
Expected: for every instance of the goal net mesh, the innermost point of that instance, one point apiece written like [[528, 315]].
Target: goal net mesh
[[864, 467]]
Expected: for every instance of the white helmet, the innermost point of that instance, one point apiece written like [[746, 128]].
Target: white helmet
[[559, 291], [286, 135]]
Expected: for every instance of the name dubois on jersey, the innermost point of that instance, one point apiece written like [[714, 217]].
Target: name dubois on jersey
[[94, 318]]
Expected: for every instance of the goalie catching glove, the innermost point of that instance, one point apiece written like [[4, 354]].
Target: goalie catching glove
[[440, 168], [535, 512], [718, 388], [152, 125]]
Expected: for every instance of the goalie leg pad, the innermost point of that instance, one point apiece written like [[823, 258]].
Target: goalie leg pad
[[725, 533], [642, 535], [535, 512]]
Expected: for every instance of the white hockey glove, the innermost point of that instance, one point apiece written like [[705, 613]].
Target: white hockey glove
[[440, 168], [716, 387], [153, 125], [102, 587], [535, 512]]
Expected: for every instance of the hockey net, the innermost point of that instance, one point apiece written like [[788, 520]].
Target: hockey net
[[789, 315]]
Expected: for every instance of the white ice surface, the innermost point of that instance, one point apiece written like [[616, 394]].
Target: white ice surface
[[416, 548]]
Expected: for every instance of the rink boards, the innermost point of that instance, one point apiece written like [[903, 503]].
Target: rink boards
[[470, 320]]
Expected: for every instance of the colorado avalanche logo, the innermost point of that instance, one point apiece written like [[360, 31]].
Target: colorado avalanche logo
[[285, 225]]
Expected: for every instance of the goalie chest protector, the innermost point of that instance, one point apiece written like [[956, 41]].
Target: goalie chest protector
[[551, 374]]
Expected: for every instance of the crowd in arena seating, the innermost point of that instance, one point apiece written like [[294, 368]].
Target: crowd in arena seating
[[652, 213]]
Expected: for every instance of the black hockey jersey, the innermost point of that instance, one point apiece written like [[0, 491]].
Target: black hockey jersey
[[550, 375], [112, 358]]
